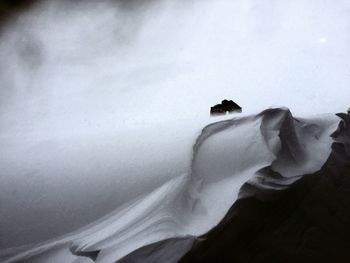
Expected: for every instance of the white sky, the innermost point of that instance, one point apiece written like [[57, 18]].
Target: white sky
[[91, 65]]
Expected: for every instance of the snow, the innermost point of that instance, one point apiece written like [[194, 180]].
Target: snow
[[61, 182], [225, 156]]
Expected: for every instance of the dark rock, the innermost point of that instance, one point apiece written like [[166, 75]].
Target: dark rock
[[226, 106]]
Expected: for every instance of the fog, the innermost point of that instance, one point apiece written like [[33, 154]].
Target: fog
[[69, 64], [92, 87]]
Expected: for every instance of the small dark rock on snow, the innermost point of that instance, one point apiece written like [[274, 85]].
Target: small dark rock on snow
[[226, 106]]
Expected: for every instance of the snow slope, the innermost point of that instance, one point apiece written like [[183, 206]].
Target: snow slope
[[225, 156]]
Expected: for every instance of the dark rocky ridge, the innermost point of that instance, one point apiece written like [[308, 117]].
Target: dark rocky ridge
[[309, 221]]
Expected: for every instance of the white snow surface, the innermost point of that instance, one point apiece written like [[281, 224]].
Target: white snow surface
[[226, 155]]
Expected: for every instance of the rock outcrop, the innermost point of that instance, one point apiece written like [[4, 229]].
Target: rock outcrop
[[226, 106]]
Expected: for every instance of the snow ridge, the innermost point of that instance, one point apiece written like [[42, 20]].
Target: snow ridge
[[226, 155]]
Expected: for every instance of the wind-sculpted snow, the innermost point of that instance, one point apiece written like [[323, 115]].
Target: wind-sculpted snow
[[308, 221], [291, 146], [268, 150]]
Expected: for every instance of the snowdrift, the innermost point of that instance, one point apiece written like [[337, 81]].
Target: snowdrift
[[308, 221], [271, 150]]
